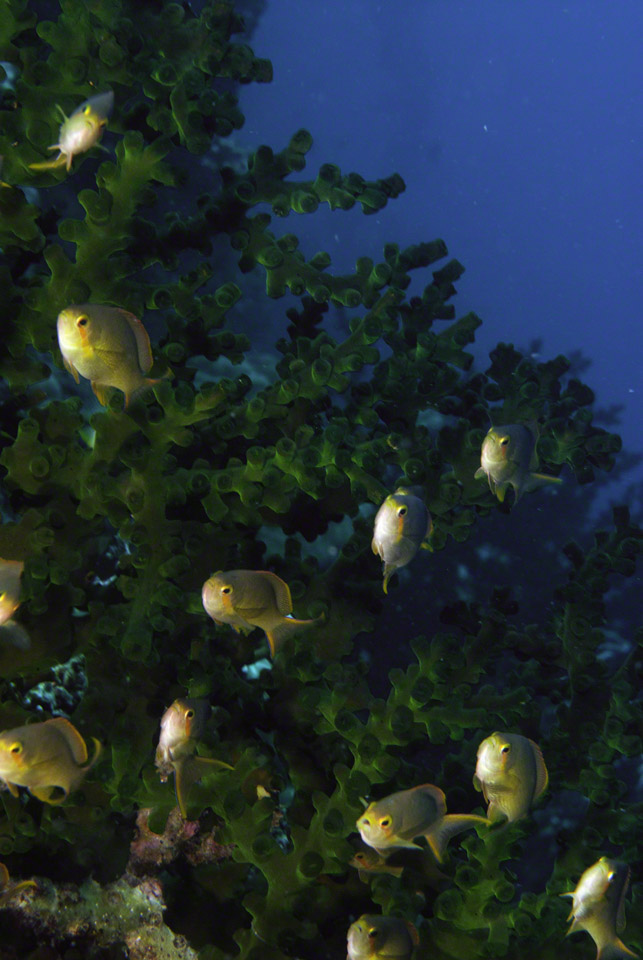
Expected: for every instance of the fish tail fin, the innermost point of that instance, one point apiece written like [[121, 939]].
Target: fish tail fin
[[535, 480], [287, 627], [187, 771], [614, 950], [450, 825], [15, 634]]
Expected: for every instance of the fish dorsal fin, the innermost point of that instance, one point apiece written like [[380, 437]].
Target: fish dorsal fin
[[74, 740], [542, 777], [436, 795], [281, 591], [620, 910], [143, 347]]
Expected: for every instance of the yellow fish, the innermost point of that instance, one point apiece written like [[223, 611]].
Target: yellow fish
[[508, 459], [511, 773], [80, 131], [10, 574], [253, 598], [402, 526], [107, 345], [8, 888], [370, 861], [181, 726], [43, 756], [381, 938], [598, 906], [396, 820]]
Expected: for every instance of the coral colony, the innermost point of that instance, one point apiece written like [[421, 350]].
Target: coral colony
[[122, 271]]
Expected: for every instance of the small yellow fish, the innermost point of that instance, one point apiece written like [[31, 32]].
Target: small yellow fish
[[43, 756], [402, 526], [80, 131], [8, 888], [511, 773], [367, 862], [381, 938], [12, 632], [599, 907], [508, 459], [181, 726], [253, 598], [107, 345], [396, 820]]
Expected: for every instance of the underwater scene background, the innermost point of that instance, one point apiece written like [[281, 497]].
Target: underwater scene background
[[295, 386]]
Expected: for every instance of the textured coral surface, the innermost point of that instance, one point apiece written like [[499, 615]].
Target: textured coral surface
[[226, 464]]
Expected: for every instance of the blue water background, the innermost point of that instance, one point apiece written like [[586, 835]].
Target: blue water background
[[518, 130]]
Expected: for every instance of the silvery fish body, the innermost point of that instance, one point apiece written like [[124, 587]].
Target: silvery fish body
[[511, 773], [380, 938], [80, 131], [598, 907], [402, 526], [108, 346], [508, 459], [10, 631]]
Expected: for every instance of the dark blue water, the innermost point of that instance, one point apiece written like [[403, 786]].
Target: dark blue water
[[518, 130]]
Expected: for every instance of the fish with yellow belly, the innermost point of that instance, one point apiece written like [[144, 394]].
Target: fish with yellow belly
[[108, 346], [79, 132], [598, 907], [402, 525], [508, 459], [381, 938], [12, 632], [45, 756], [245, 599], [181, 726], [397, 820], [511, 773]]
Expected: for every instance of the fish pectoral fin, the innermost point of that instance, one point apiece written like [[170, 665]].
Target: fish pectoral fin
[[439, 834], [71, 368], [12, 788], [14, 633], [479, 474]]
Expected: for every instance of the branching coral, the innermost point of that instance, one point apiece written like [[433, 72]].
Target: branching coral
[[120, 517]]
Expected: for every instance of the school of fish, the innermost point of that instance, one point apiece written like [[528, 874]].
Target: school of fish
[[110, 347]]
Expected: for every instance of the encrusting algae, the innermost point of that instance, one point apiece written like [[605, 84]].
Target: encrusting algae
[[113, 520]]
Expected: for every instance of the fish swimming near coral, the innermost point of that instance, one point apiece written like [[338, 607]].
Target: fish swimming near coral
[[598, 907], [9, 888], [79, 132], [381, 938], [12, 632], [181, 726], [511, 773], [397, 820], [402, 526], [508, 459], [245, 599], [45, 756], [108, 346]]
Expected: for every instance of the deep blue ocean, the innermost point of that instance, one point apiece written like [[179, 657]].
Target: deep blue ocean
[[518, 129]]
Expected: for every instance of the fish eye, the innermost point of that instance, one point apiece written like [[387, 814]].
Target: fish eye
[[372, 933], [82, 321], [504, 441], [366, 821], [611, 876], [385, 822], [402, 512], [226, 589], [16, 748], [505, 749], [360, 857], [189, 714]]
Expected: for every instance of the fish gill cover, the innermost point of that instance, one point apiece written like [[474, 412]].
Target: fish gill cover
[[121, 514]]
